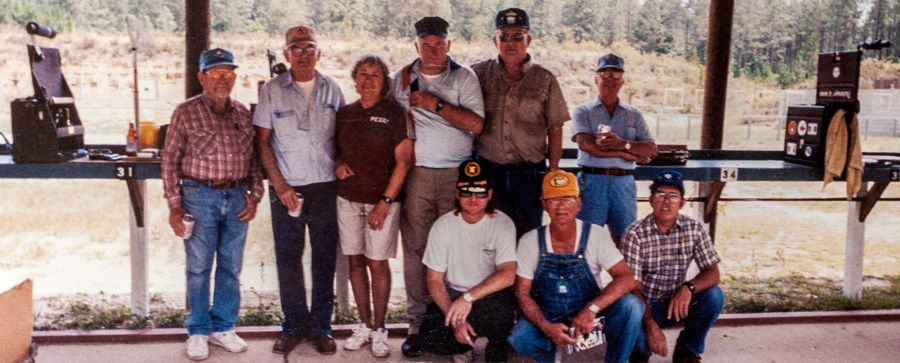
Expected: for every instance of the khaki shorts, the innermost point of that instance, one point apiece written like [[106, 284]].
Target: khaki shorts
[[357, 238]]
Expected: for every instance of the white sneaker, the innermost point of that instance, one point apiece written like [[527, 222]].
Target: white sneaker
[[463, 357], [380, 346], [197, 347], [228, 340], [361, 336], [478, 353]]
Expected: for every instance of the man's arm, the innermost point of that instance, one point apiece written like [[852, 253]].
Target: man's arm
[[558, 333], [462, 331], [499, 280], [707, 278], [460, 117], [270, 164], [554, 147], [622, 283], [656, 340], [588, 143], [643, 149]]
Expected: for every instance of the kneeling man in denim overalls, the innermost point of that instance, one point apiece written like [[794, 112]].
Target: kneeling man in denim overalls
[[558, 282]]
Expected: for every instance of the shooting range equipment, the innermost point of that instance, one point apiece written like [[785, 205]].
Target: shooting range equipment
[[46, 127], [141, 41], [274, 68], [837, 88]]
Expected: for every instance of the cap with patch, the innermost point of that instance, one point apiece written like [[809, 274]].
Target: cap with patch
[[432, 25], [512, 17], [299, 34], [473, 177], [668, 177], [216, 57], [558, 184], [611, 60]]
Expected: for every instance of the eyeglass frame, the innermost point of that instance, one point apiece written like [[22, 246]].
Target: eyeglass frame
[[668, 197], [467, 194], [609, 75], [216, 74], [568, 201], [303, 51], [516, 37]]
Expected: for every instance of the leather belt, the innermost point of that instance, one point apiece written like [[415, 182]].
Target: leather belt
[[605, 171], [221, 184]]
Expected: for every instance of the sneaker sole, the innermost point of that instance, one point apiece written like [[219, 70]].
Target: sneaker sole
[[381, 355], [356, 348], [198, 358], [215, 342]]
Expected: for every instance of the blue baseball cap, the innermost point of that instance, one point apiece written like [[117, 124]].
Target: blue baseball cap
[[512, 17], [668, 177], [611, 60], [216, 57]]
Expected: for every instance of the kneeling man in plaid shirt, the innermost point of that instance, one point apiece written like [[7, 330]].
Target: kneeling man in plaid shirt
[[659, 249]]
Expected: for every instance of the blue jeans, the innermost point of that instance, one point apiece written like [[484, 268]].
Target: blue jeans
[[608, 200], [517, 193], [702, 314], [219, 235], [319, 213], [623, 327]]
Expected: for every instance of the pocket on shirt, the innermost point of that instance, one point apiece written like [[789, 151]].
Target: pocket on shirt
[[287, 122], [204, 142], [630, 133]]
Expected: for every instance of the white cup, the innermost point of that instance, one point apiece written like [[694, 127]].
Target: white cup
[[188, 221], [602, 130], [296, 213]]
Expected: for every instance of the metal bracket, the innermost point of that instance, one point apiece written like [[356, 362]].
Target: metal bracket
[[712, 200], [872, 197], [137, 200]]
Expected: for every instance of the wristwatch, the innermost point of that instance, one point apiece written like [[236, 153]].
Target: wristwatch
[[690, 286], [468, 298], [594, 308], [387, 199], [440, 106]]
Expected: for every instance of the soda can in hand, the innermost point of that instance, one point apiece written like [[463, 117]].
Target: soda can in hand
[[188, 221]]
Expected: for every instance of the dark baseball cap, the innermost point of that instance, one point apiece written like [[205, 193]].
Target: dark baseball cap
[[432, 25], [473, 177], [216, 57], [611, 60], [668, 177], [512, 17]]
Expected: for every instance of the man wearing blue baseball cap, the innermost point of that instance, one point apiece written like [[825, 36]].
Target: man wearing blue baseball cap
[[210, 171], [659, 249], [611, 136]]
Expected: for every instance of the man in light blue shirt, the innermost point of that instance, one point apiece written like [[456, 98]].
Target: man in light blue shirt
[[295, 122], [607, 159], [445, 104]]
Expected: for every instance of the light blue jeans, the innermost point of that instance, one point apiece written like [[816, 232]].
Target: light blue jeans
[[608, 200], [219, 235]]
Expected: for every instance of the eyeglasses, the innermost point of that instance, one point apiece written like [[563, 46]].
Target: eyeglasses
[[511, 37], [216, 74], [611, 75], [480, 195], [669, 197], [308, 51], [566, 201]]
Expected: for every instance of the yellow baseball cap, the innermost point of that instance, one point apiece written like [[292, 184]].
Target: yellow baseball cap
[[558, 184]]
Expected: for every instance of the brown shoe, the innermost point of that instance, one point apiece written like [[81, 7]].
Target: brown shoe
[[683, 355], [325, 344], [286, 343]]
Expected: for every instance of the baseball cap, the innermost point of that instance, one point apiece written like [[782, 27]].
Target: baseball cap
[[668, 177], [473, 177], [216, 57], [432, 25], [611, 60], [299, 34], [512, 17], [559, 184]]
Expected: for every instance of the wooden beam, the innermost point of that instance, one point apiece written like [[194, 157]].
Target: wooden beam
[[196, 40], [718, 53], [872, 197]]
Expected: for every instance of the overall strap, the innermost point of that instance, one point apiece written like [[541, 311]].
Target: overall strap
[[542, 239], [585, 232]]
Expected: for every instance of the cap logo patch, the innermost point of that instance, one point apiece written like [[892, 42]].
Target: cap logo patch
[[559, 181], [300, 31], [668, 176], [511, 17], [472, 169]]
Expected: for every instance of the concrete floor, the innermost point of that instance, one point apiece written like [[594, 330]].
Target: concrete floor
[[815, 342]]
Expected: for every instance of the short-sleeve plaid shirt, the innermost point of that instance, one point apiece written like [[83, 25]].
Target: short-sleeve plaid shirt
[[660, 261]]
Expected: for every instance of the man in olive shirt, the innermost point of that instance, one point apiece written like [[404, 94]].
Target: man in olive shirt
[[524, 114]]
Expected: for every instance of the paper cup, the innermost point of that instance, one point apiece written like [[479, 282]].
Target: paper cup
[[188, 221], [296, 213]]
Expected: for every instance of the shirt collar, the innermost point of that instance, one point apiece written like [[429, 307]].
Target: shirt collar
[[655, 227], [525, 66], [597, 102], [209, 104], [288, 81]]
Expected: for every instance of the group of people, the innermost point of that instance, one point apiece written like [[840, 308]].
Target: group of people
[[462, 162]]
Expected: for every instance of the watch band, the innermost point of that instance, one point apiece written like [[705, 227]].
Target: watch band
[[440, 106], [690, 286], [387, 199]]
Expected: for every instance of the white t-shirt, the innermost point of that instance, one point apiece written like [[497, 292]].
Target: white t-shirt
[[307, 88], [600, 254], [469, 253]]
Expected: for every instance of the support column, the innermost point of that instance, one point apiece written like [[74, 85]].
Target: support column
[[140, 297], [196, 40], [855, 245]]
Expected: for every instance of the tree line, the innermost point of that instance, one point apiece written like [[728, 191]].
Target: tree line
[[771, 39]]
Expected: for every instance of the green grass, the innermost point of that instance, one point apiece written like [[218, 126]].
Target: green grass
[[797, 293]]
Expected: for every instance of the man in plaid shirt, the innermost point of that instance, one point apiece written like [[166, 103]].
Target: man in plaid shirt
[[659, 249], [210, 171]]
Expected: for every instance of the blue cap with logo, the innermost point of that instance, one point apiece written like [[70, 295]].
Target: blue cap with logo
[[611, 60], [216, 57], [668, 177], [512, 17]]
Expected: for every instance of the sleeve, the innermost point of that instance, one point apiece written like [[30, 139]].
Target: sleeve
[[527, 255], [606, 252], [642, 131], [256, 175], [505, 240], [581, 122], [171, 160], [470, 93], [704, 252], [397, 91], [338, 127], [400, 127], [436, 253], [262, 116], [557, 110], [631, 249]]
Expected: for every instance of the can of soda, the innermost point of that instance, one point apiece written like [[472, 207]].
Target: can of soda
[[188, 221], [296, 213]]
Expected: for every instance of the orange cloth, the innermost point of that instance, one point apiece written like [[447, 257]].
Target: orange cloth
[[843, 149]]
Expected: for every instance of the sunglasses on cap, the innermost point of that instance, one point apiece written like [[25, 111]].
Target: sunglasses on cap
[[216, 74], [480, 195]]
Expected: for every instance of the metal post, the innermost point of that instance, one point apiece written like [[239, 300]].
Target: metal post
[[718, 52], [894, 133], [855, 244], [657, 125], [196, 40], [689, 129], [140, 298], [749, 125], [866, 137]]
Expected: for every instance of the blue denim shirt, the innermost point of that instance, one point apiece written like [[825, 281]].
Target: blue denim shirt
[[627, 122], [438, 143], [302, 136]]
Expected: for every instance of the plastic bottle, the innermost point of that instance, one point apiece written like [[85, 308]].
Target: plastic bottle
[[131, 144]]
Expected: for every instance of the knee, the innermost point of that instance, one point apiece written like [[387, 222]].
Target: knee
[[527, 340], [356, 262], [379, 266], [715, 297], [631, 306]]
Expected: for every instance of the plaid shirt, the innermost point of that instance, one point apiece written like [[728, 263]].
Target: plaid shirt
[[204, 145], [660, 261]]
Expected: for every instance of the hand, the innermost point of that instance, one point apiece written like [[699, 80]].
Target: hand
[[464, 333], [657, 341], [343, 171], [633, 157], [175, 215], [423, 99], [376, 218], [458, 312], [558, 333], [584, 321], [286, 195], [609, 141], [247, 214], [678, 306]]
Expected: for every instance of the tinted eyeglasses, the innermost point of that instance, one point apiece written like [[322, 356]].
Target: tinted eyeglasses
[[216, 74], [308, 51], [511, 37], [565, 201], [480, 195], [611, 75], [669, 197]]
